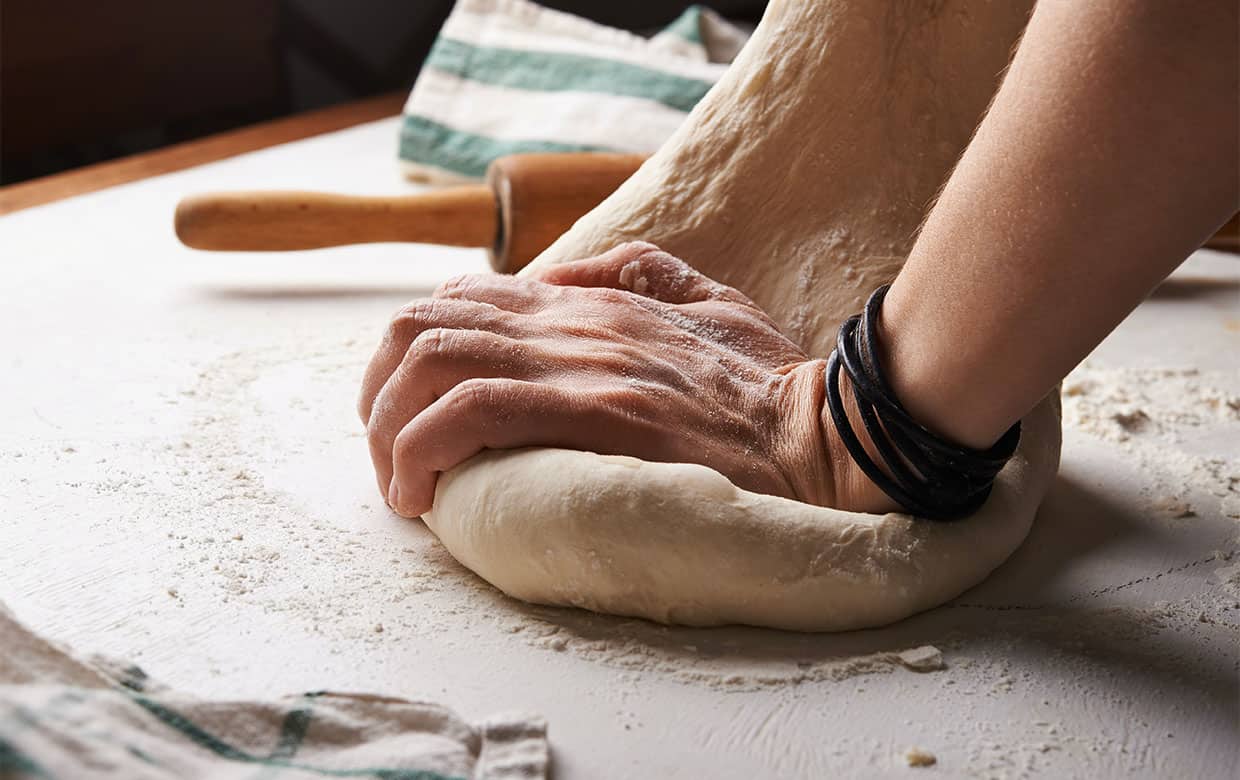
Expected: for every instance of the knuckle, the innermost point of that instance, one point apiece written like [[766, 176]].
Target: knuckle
[[413, 318], [474, 393], [656, 258], [456, 286], [433, 343], [487, 398]]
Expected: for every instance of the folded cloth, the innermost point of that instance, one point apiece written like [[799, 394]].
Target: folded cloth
[[64, 717], [509, 76]]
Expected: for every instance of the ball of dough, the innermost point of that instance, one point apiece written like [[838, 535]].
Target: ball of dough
[[679, 543]]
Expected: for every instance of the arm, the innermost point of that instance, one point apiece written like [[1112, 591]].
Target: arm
[[1109, 154]]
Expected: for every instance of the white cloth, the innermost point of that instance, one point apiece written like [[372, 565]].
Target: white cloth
[[509, 76], [64, 717]]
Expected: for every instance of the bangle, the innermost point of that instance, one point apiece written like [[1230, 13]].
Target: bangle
[[929, 475]]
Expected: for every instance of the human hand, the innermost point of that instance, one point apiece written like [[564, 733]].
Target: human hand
[[632, 352]]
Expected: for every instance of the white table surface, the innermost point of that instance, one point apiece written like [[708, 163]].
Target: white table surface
[[183, 482]]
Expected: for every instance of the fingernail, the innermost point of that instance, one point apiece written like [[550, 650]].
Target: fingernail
[[393, 495]]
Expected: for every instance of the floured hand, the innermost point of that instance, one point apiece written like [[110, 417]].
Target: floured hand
[[632, 352]]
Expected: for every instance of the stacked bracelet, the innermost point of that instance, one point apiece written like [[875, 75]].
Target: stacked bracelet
[[926, 474]]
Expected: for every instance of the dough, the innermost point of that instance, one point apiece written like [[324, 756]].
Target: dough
[[679, 543], [807, 231]]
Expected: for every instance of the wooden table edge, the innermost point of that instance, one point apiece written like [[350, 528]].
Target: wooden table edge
[[58, 186]]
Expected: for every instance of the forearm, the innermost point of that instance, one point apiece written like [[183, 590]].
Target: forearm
[[1109, 154]]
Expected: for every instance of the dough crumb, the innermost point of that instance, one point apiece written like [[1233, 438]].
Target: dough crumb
[[1132, 420], [926, 658], [1174, 507], [917, 757], [632, 278]]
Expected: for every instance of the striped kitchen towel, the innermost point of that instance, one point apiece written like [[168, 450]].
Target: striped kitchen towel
[[66, 717], [509, 76]]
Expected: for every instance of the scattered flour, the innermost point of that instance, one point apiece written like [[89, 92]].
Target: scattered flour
[[1229, 576], [1161, 418], [244, 540], [353, 573]]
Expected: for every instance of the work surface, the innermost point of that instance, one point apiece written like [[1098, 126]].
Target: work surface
[[184, 483]]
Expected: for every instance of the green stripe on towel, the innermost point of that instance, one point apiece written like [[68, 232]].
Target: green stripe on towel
[[431, 143], [540, 71], [292, 734], [14, 761], [208, 741], [688, 25]]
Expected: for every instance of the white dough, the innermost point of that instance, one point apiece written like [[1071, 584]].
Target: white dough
[[807, 229], [679, 543]]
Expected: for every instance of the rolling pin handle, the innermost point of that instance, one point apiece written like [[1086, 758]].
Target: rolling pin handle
[[291, 220]]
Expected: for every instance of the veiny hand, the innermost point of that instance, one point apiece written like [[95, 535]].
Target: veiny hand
[[632, 352]]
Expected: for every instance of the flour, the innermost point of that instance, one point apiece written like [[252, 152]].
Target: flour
[[1229, 576], [248, 541], [247, 532], [243, 538], [418, 588], [1161, 419], [741, 661], [1170, 423], [631, 278]]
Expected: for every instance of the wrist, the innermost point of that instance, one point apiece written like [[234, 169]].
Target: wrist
[[815, 463], [917, 468], [799, 447], [854, 491]]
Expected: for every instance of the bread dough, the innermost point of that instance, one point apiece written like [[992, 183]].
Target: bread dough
[[807, 230], [679, 543]]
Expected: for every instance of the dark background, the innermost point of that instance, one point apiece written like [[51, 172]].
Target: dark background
[[83, 81]]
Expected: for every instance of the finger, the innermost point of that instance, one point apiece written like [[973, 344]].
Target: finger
[[510, 293], [644, 269], [473, 416], [421, 316], [500, 414], [438, 360]]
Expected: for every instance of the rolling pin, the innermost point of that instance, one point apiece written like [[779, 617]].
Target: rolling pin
[[529, 200]]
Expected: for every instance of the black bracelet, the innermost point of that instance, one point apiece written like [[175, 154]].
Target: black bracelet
[[929, 476]]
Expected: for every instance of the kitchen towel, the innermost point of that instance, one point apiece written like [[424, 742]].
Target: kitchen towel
[[509, 77], [67, 717]]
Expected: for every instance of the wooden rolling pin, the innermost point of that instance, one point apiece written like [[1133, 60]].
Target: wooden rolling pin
[[529, 200]]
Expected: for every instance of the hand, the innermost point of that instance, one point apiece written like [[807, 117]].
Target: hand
[[632, 352]]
